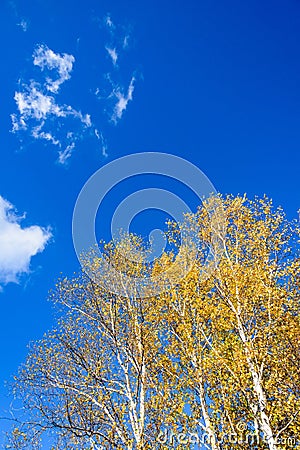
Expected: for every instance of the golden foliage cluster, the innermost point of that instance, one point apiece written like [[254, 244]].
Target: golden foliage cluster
[[214, 357]]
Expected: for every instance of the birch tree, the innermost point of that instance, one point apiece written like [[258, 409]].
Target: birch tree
[[257, 296], [212, 360], [91, 381], [235, 333]]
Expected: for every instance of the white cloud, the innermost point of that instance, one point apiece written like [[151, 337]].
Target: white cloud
[[23, 24], [18, 123], [35, 106], [113, 54], [41, 116], [44, 57], [123, 100], [126, 41], [108, 21], [117, 96], [86, 119], [18, 245], [65, 154], [37, 133], [21, 21], [118, 40], [101, 138]]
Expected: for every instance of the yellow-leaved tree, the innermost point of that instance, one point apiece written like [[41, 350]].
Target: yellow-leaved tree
[[235, 334], [213, 360]]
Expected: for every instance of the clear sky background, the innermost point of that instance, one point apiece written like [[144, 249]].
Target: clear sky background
[[85, 82]]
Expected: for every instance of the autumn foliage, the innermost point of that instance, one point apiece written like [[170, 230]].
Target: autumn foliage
[[214, 360]]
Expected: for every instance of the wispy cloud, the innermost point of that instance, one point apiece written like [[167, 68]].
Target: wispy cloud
[[113, 54], [45, 58], [119, 39], [122, 100], [118, 95], [41, 115], [21, 21], [108, 22], [18, 245], [24, 24], [37, 133], [32, 103], [65, 154], [126, 41], [38, 108], [101, 138]]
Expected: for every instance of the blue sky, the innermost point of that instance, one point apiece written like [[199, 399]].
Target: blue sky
[[85, 82]]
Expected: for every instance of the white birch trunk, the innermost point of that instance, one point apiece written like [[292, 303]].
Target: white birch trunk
[[259, 391], [207, 422]]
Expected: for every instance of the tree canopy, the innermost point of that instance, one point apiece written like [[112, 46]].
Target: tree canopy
[[211, 360]]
